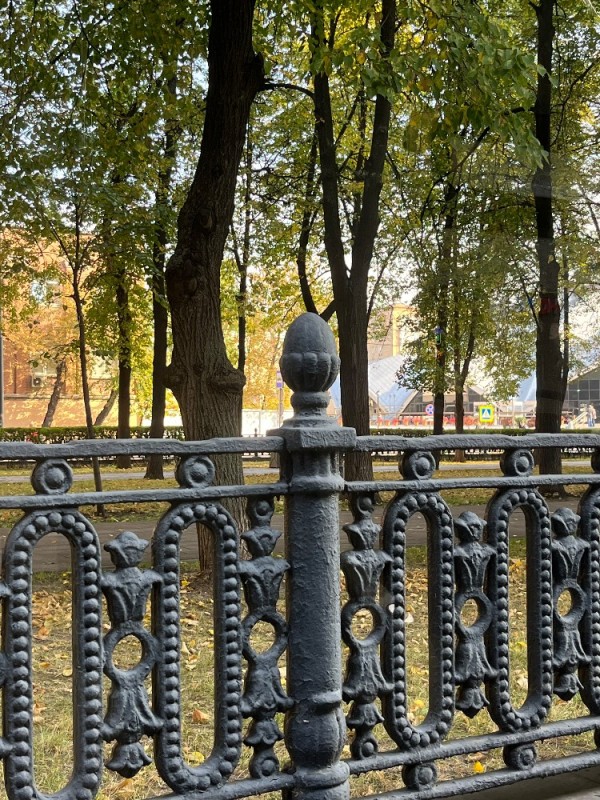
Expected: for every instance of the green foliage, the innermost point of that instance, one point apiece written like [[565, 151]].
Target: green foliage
[[62, 435], [86, 106]]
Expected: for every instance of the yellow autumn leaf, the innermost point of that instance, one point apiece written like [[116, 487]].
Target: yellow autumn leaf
[[125, 788], [195, 757], [478, 767], [66, 673]]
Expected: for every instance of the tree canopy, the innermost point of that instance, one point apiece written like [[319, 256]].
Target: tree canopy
[[234, 162]]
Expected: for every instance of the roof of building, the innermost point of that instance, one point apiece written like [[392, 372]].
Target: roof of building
[[384, 388]]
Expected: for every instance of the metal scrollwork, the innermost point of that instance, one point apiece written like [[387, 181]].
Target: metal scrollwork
[[179, 776], [4, 745], [87, 648], [471, 561], [129, 716], [568, 551], [589, 527], [539, 600], [364, 681], [440, 545], [263, 693]]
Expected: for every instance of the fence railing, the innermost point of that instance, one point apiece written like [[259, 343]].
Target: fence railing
[[340, 724]]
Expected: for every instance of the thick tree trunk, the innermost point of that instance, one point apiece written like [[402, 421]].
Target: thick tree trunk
[[207, 387], [549, 359], [59, 384], [352, 326], [124, 324]]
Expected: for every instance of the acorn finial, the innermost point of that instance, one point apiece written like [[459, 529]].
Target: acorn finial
[[309, 362]]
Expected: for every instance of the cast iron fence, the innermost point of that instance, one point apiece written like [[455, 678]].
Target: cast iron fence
[[469, 660]]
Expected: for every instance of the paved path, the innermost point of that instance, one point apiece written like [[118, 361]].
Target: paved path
[[52, 553], [123, 475]]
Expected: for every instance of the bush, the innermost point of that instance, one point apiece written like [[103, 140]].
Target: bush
[[75, 433]]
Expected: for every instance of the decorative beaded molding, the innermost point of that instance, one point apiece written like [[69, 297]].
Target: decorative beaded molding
[[420, 465], [589, 511], [87, 654], [179, 776], [539, 602]]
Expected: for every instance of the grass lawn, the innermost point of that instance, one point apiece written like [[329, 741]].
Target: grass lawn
[[124, 512]]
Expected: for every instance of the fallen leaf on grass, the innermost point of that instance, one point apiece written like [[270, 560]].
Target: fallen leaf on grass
[[200, 717], [125, 788], [478, 767], [194, 757]]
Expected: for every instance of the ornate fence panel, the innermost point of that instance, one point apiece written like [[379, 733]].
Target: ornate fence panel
[[347, 696]]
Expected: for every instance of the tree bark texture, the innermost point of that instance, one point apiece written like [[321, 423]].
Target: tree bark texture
[[445, 264], [59, 384], [207, 386], [549, 358], [350, 286], [85, 383], [107, 407], [124, 357]]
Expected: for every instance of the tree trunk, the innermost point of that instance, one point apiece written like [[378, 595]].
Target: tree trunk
[[160, 317], [124, 324], [154, 467], [85, 384], [445, 273], [207, 386], [350, 287], [59, 385], [354, 361], [107, 407], [549, 360]]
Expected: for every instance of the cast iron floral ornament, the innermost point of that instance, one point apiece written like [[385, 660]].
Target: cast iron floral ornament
[[129, 716], [568, 550], [471, 560]]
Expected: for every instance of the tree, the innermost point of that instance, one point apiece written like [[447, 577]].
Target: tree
[[551, 369], [206, 385]]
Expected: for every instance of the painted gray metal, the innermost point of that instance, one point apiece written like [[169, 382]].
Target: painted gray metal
[[139, 724]]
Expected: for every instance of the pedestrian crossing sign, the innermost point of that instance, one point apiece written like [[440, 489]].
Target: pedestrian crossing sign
[[487, 414]]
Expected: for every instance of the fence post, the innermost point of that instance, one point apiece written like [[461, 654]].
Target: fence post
[[315, 727]]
